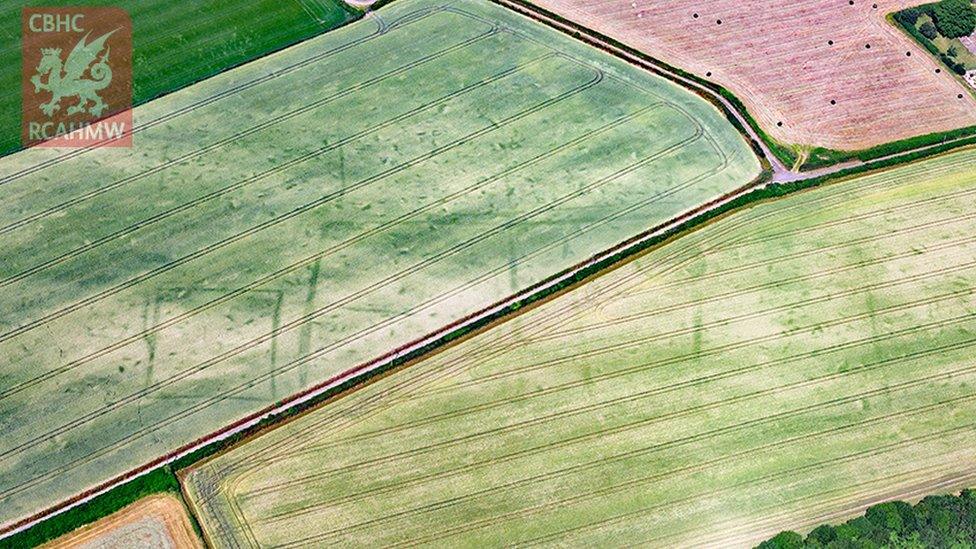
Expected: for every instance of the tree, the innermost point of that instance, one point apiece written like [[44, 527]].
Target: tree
[[910, 15], [783, 540], [823, 534], [928, 30], [955, 18], [936, 521]]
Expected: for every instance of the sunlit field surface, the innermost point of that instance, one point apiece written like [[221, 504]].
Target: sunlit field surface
[[783, 366], [294, 218]]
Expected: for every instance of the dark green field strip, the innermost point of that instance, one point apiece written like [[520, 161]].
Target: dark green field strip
[[176, 43], [254, 273]]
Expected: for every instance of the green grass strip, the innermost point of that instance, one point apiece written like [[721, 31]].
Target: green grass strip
[[154, 482]]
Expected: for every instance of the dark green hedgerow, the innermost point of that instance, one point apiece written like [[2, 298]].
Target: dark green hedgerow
[[824, 157], [156, 481], [936, 521]]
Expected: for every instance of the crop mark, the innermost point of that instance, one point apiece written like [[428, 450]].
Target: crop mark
[[322, 351], [318, 256], [305, 336], [278, 487], [584, 496], [274, 170]]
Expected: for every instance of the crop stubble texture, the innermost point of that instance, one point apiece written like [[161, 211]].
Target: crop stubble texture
[[788, 60]]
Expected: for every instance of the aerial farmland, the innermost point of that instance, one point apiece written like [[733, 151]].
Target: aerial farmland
[[302, 215], [833, 74], [484, 273], [155, 521], [788, 364]]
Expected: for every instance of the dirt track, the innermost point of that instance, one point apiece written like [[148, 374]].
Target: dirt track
[[153, 522], [776, 56]]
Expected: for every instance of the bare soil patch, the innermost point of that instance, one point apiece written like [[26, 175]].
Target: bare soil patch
[[152, 522]]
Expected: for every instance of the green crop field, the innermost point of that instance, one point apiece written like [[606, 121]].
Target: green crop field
[[176, 43], [298, 216], [785, 365]]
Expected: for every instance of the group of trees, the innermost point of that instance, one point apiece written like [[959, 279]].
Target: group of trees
[[950, 18], [954, 18], [936, 521]]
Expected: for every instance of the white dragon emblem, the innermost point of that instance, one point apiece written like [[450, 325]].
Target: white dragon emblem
[[68, 80]]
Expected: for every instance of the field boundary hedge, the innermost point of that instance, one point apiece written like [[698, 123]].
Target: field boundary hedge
[[159, 480], [935, 521]]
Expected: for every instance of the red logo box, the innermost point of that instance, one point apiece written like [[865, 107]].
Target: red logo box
[[77, 77]]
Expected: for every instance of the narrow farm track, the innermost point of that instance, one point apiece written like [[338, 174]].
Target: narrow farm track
[[256, 278], [814, 350]]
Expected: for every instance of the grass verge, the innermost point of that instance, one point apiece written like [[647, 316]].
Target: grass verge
[[154, 482]]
